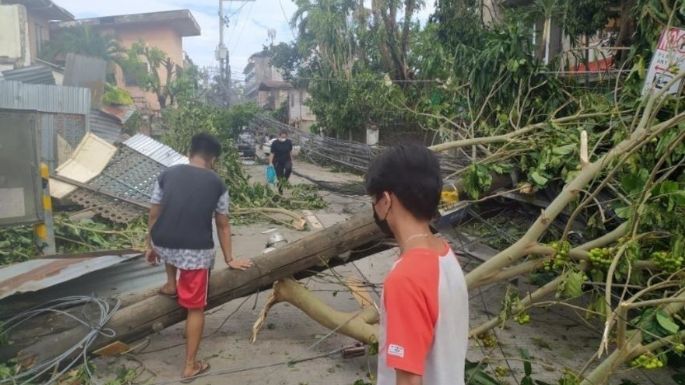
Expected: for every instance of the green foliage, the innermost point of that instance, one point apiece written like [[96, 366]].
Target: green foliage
[[475, 374], [150, 68], [193, 117], [133, 124], [560, 259], [124, 376], [585, 17], [477, 179], [572, 286], [281, 113], [116, 96], [188, 119], [647, 361], [17, 245]]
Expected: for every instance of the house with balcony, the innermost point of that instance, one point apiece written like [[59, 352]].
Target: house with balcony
[[264, 85], [163, 30]]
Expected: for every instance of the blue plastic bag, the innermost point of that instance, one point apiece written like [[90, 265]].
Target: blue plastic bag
[[270, 174]]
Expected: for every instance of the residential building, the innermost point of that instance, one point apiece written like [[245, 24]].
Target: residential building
[[163, 30], [24, 28], [264, 84], [299, 113]]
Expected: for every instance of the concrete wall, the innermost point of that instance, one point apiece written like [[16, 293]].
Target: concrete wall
[[14, 36]]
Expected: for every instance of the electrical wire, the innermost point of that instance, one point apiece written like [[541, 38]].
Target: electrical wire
[[287, 22], [249, 13], [61, 363], [234, 26]]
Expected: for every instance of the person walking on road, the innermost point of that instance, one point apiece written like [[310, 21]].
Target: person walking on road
[[424, 306], [281, 159], [184, 201]]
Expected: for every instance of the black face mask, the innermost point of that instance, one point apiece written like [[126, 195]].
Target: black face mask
[[383, 224]]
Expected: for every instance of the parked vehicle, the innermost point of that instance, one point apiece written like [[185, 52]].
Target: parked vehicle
[[246, 145]]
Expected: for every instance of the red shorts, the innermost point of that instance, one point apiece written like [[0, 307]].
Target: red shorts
[[192, 288]]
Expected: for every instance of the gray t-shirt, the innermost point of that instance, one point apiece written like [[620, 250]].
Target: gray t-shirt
[[188, 259], [189, 201]]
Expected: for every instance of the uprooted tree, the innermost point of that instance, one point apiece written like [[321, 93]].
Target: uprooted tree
[[639, 256], [613, 159]]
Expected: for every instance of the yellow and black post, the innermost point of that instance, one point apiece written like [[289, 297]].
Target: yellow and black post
[[45, 231]]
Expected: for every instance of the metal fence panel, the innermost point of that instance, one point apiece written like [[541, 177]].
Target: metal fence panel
[[44, 98]]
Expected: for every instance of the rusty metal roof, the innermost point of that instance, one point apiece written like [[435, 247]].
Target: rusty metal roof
[[155, 150], [121, 113], [105, 126], [38, 274]]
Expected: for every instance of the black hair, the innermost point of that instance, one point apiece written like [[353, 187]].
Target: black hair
[[412, 173], [205, 145], [283, 131]]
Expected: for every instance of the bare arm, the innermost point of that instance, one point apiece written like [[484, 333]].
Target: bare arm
[[223, 227], [150, 255], [406, 378]]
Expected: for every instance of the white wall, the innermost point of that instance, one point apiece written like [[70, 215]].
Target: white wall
[[14, 36], [298, 112]]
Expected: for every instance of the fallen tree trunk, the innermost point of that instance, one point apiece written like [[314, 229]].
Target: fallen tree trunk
[[361, 325], [305, 257], [148, 313]]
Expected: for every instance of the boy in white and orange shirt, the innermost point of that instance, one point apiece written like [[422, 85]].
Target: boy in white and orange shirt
[[424, 307]]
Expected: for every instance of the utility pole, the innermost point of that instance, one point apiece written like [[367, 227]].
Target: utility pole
[[222, 55]]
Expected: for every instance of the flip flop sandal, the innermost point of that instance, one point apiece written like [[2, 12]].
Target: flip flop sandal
[[172, 296], [205, 367]]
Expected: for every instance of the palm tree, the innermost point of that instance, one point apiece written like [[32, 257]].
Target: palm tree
[[81, 40], [326, 28]]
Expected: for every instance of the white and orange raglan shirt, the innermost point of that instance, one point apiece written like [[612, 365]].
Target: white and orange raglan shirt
[[424, 319]]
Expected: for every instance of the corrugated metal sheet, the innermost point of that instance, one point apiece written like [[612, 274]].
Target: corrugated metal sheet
[[38, 74], [44, 98], [155, 150], [39, 274], [105, 127], [88, 72]]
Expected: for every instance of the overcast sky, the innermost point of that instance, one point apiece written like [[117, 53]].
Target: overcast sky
[[246, 34]]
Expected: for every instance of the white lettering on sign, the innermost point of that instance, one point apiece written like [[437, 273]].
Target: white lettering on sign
[[12, 202], [668, 61]]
